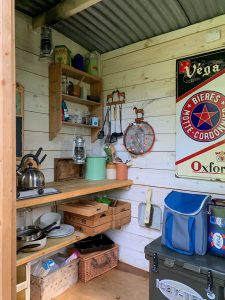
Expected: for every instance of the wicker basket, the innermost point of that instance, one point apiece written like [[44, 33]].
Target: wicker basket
[[96, 263], [55, 283]]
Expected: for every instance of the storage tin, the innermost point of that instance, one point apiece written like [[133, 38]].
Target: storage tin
[[95, 168], [62, 55], [176, 276]]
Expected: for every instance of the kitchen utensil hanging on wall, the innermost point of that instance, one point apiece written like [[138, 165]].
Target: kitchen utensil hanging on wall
[[111, 102], [120, 134], [139, 136], [107, 139], [113, 137], [101, 133]]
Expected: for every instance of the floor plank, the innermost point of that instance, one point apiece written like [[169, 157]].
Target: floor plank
[[113, 285]]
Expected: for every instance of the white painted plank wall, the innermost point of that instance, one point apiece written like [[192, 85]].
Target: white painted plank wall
[[33, 75], [145, 71]]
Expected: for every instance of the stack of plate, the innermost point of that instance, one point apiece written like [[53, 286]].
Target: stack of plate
[[64, 230]]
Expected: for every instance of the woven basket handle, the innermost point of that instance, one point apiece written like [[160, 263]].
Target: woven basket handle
[[97, 265]]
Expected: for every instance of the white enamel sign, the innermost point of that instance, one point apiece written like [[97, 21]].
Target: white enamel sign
[[200, 117]]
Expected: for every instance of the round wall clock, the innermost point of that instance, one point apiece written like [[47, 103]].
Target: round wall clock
[[139, 138]]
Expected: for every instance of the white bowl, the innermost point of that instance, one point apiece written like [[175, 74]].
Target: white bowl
[[49, 218]]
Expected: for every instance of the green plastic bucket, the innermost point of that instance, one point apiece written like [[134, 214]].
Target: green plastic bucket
[[95, 168]]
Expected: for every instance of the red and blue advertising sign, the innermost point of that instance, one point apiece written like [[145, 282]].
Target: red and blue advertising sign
[[200, 116]]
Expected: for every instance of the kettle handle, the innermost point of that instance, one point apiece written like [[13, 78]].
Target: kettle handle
[[27, 156]]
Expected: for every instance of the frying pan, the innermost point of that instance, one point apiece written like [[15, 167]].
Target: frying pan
[[32, 233], [38, 244]]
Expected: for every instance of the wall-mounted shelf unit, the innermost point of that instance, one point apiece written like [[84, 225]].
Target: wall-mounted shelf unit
[[55, 98]]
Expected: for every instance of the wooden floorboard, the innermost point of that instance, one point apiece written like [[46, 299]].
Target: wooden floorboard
[[114, 285]]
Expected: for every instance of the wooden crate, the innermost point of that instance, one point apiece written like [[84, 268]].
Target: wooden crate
[[92, 221], [96, 263], [55, 283], [121, 206], [66, 169], [121, 219], [70, 219], [121, 214], [86, 208]]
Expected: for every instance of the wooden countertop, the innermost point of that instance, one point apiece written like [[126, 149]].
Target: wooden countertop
[[74, 188]]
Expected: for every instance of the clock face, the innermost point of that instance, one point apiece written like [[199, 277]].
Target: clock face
[[139, 138]]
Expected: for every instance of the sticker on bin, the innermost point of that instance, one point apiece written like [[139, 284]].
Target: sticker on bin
[[217, 240], [174, 290]]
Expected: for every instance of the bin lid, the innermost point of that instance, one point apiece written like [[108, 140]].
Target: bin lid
[[196, 263]]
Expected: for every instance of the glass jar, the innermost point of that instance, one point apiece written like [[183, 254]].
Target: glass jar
[[24, 217]]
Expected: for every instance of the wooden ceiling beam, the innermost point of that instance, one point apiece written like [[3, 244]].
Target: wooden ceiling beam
[[62, 10]]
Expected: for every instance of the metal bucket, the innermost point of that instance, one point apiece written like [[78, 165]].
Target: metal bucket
[[95, 168]]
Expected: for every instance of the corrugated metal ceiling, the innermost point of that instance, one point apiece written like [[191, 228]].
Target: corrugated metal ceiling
[[35, 7], [112, 24]]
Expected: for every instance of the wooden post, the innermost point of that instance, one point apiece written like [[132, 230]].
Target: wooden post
[[7, 151]]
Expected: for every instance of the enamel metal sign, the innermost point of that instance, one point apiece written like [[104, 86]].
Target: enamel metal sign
[[200, 116]]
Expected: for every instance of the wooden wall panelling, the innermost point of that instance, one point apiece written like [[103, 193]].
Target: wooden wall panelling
[[55, 120], [148, 73], [7, 152]]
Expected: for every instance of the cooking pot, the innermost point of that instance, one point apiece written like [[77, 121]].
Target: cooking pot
[[95, 168], [29, 178]]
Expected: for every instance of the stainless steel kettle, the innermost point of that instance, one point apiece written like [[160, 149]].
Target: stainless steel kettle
[[30, 178]]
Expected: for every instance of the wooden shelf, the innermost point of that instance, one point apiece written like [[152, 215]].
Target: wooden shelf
[[80, 125], [80, 100], [55, 97], [78, 74], [74, 188], [51, 246]]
